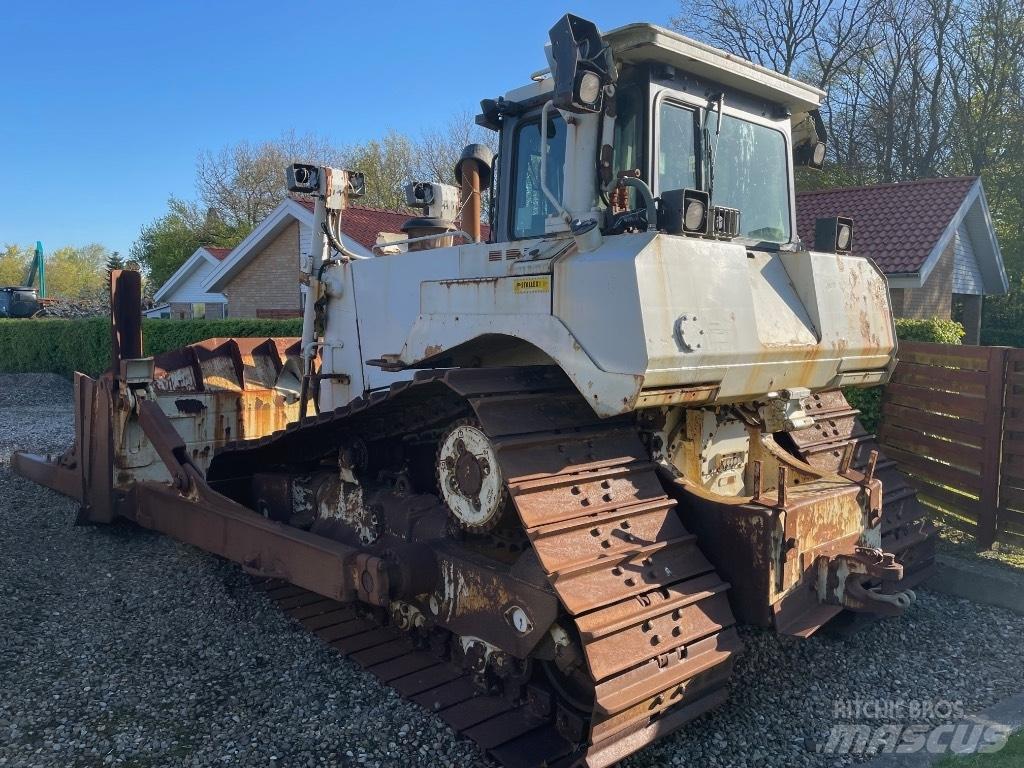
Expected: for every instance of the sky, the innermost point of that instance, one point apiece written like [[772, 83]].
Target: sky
[[105, 106]]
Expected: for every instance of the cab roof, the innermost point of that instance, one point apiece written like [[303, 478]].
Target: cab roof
[[636, 43]]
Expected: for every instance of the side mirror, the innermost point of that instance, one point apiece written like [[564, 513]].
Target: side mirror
[[582, 65]]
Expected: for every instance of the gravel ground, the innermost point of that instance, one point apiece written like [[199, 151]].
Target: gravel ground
[[121, 647]]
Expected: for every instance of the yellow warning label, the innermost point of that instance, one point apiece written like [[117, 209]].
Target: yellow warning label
[[532, 285]]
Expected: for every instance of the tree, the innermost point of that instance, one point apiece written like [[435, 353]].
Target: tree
[[114, 262], [885, 63], [388, 165], [245, 182], [438, 149], [14, 262], [166, 243], [76, 273], [239, 185], [809, 38]]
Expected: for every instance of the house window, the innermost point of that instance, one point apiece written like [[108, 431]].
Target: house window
[[198, 311]]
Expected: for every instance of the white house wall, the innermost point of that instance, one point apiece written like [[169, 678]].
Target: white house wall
[[966, 273], [305, 239], [190, 291]]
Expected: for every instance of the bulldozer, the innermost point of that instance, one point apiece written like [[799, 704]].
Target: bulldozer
[[535, 482]]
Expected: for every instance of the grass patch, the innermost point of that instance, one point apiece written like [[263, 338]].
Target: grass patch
[[959, 544], [1010, 756]]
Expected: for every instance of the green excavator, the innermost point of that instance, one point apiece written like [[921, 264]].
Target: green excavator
[[26, 300]]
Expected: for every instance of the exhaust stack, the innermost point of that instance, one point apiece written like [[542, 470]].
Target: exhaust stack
[[473, 172]]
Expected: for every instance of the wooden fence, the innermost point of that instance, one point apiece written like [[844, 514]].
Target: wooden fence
[[1011, 489], [953, 419]]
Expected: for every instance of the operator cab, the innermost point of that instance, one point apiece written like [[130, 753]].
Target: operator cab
[[683, 139]]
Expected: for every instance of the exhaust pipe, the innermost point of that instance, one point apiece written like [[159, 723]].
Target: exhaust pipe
[[473, 172]]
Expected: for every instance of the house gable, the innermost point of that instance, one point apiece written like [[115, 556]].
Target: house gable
[[909, 227], [288, 213], [967, 278], [187, 284], [267, 285]]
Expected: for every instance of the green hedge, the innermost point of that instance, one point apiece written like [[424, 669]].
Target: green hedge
[[1001, 337], [937, 330], [50, 345], [934, 329]]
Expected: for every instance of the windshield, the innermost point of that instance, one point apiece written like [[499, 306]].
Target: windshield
[[750, 174], [751, 169]]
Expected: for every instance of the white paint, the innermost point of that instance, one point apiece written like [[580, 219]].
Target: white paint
[[639, 311], [610, 317], [645, 42]]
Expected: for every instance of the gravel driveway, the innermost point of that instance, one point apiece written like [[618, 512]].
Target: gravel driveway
[[121, 647]]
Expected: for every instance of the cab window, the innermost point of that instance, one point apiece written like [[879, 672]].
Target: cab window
[[677, 147], [530, 206]]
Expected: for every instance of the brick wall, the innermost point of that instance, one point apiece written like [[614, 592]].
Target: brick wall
[[934, 298], [270, 281]]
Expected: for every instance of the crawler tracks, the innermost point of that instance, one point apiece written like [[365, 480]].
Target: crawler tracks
[[517, 734], [651, 614], [906, 530]]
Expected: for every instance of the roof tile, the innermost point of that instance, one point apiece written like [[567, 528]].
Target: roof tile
[[897, 225], [218, 253]]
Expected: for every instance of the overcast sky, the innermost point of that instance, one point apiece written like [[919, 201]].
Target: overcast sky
[[105, 105]]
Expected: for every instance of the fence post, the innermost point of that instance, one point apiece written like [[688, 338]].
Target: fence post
[[992, 447]]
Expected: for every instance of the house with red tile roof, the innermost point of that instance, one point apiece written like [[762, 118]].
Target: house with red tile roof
[[183, 296], [259, 277], [934, 240]]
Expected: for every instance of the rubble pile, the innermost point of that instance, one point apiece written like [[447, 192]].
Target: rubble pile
[[75, 309]]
